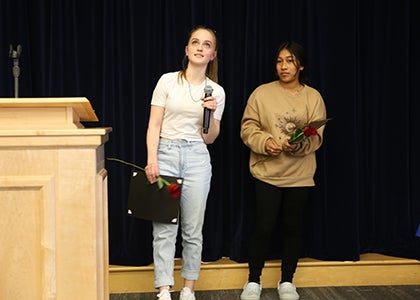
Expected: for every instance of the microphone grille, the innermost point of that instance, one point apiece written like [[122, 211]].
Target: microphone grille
[[208, 89]]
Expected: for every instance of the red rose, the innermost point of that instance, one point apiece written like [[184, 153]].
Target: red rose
[[310, 130], [174, 190]]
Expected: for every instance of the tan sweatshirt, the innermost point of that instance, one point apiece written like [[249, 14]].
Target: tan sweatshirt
[[272, 112]]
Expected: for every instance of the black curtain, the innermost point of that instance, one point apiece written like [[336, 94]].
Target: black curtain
[[363, 58]]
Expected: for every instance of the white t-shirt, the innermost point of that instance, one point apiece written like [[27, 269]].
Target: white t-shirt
[[183, 116]]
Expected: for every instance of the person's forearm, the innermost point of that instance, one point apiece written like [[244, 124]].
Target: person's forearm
[[214, 130]]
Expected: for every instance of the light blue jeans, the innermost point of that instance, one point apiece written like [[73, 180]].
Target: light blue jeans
[[191, 161]]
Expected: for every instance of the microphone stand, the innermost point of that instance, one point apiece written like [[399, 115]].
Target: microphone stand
[[15, 54]]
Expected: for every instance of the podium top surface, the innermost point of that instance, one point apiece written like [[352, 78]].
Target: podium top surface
[[81, 105]]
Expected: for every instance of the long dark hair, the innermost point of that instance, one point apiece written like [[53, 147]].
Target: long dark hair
[[300, 59], [212, 67]]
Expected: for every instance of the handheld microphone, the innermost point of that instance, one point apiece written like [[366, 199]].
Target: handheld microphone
[[208, 90]]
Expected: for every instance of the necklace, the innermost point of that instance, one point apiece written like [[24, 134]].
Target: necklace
[[293, 91], [191, 96]]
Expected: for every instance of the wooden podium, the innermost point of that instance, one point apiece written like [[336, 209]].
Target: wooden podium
[[53, 201]]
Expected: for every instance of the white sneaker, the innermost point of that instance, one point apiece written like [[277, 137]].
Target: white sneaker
[[164, 295], [186, 294], [252, 291], [287, 291]]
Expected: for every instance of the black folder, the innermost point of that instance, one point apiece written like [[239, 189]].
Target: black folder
[[150, 202]]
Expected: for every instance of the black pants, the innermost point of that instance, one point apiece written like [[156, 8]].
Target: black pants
[[272, 203]]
